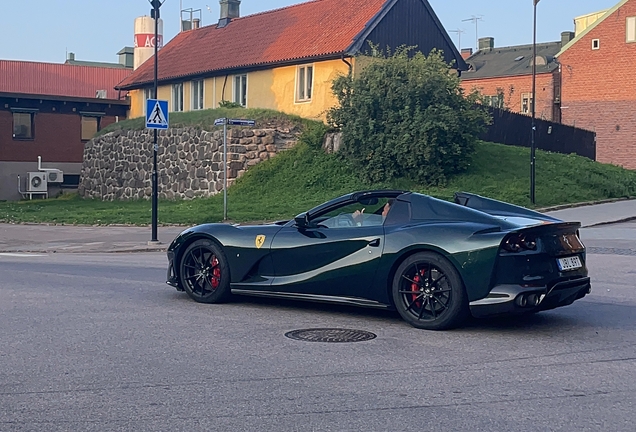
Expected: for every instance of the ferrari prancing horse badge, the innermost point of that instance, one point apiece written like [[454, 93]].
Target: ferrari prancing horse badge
[[260, 239]]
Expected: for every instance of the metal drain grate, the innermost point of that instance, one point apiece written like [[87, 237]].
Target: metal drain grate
[[330, 335]]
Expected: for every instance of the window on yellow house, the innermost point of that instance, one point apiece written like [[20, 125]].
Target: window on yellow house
[[148, 93], [304, 83], [177, 97], [240, 90], [197, 95]]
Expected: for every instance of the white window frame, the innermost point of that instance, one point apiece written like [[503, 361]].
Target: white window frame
[[530, 102], [596, 44], [305, 86], [240, 90], [147, 95], [630, 32], [177, 97], [197, 95], [495, 101]]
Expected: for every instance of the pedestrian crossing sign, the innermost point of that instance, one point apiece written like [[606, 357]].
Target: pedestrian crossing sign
[[156, 114]]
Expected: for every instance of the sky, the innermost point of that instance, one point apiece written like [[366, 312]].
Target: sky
[[95, 30]]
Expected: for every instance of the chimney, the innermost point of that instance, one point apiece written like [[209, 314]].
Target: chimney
[[126, 57], [466, 52], [71, 56], [486, 43], [229, 10], [566, 37]]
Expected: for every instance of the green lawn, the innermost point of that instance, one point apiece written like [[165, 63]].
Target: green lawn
[[305, 176], [204, 119]]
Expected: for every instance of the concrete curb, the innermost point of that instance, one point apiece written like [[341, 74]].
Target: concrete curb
[[78, 251], [629, 219]]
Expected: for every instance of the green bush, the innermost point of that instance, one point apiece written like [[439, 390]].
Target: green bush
[[407, 116]]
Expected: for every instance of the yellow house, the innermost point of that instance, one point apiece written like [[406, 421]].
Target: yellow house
[[284, 59]]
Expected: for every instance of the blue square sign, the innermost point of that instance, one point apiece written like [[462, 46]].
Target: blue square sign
[[156, 114]]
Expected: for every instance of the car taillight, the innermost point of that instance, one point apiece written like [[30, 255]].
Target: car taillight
[[519, 243]]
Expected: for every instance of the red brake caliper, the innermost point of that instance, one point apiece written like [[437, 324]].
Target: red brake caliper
[[216, 273], [415, 288]]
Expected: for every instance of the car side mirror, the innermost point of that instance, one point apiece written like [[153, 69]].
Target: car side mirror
[[302, 220]]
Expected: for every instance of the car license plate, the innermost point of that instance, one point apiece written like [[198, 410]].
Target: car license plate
[[569, 263]]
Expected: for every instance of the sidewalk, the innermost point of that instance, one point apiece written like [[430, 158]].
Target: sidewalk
[[86, 239], [598, 214]]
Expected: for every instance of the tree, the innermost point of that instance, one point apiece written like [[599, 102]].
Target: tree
[[406, 115]]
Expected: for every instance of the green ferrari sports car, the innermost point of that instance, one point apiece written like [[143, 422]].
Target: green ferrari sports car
[[435, 262]]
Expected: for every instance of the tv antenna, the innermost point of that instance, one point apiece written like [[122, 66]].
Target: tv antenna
[[475, 20], [459, 37]]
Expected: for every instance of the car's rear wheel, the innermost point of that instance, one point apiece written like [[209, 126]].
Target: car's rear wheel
[[204, 272], [428, 292]]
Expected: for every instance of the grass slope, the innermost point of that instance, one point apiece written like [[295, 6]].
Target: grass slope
[[204, 119], [305, 176]]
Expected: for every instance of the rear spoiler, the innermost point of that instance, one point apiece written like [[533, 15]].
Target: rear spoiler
[[498, 208]]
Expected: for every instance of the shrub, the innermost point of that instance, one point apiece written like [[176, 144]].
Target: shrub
[[406, 115]]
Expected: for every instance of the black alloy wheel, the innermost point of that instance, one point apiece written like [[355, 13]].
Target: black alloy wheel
[[428, 292], [204, 272]]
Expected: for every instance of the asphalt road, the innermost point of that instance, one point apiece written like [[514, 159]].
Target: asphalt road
[[98, 342]]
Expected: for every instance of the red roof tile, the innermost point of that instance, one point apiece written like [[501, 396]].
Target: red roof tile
[[314, 29], [56, 79]]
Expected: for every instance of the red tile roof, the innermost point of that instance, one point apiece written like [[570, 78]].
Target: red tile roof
[[314, 29], [56, 79]]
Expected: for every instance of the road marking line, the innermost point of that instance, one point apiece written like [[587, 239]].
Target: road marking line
[[17, 254]]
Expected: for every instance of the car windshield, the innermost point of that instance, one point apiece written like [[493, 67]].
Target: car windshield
[[356, 214]]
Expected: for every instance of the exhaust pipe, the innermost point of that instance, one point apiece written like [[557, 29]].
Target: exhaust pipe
[[522, 301], [529, 300]]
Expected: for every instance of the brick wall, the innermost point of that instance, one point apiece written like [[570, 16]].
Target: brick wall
[[515, 86], [57, 129], [599, 89]]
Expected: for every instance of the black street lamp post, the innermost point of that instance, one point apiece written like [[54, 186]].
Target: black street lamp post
[[156, 4], [533, 104]]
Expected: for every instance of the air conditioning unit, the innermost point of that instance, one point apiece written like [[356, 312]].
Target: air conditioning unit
[[54, 175], [36, 182]]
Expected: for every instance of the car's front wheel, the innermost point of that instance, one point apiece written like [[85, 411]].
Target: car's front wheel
[[204, 272], [428, 292]]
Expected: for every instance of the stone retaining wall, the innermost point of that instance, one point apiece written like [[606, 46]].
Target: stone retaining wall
[[118, 165]]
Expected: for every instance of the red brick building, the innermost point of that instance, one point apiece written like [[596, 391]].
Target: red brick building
[[504, 76], [598, 87], [51, 110]]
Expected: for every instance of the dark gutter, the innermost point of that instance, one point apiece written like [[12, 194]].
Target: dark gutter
[[65, 99], [348, 64]]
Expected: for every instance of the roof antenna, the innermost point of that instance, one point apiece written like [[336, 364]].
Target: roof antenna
[[475, 19], [459, 37]]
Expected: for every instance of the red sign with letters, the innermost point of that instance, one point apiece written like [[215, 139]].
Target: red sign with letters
[[147, 40]]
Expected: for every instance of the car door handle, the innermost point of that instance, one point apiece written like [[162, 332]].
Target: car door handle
[[374, 243]]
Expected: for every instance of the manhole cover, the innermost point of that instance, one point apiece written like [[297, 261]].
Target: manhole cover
[[330, 335]]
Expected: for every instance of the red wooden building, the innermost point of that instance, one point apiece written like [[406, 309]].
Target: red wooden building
[[50, 110]]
